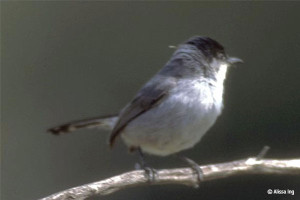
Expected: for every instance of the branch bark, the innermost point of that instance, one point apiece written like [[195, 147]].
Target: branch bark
[[184, 176]]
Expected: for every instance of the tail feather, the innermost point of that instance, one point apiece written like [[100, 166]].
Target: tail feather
[[104, 123]]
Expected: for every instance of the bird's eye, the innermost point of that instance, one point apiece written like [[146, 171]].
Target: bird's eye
[[221, 56]]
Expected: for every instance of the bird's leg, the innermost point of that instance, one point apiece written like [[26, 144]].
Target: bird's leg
[[149, 171], [195, 167]]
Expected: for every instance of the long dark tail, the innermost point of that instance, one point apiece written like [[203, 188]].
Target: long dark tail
[[103, 122]]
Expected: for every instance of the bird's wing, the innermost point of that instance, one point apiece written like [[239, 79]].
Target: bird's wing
[[148, 97]]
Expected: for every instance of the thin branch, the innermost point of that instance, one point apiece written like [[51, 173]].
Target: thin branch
[[184, 176]]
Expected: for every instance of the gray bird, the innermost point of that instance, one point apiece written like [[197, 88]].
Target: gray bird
[[176, 107]]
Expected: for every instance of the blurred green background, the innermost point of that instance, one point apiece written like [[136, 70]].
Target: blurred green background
[[63, 61]]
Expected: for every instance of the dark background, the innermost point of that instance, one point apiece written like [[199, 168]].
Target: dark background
[[69, 60]]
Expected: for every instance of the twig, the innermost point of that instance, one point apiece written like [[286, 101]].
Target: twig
[[184, 176], [263, 152]]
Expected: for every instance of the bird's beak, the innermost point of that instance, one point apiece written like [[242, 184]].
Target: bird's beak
[[233, 60]]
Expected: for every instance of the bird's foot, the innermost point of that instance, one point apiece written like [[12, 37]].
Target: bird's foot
[[197, 169], [150, 173]]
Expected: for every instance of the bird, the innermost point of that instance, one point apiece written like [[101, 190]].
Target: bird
[[176, 107]]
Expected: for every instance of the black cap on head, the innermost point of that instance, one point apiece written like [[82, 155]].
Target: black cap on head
[[208, 46]]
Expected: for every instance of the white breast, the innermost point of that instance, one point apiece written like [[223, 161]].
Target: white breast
[[179, 122]]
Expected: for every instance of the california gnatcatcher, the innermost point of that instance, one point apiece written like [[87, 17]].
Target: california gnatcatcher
[[175, 108]]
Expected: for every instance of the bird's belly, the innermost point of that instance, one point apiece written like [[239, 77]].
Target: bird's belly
[[176, 124]]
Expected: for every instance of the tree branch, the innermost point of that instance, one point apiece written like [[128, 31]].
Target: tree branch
[[184, 176]]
